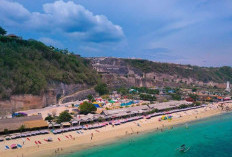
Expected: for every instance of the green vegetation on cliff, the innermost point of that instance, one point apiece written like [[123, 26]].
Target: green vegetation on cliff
[[204, 74], [27, 67]]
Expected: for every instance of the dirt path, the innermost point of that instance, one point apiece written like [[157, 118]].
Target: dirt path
[[71, 95]]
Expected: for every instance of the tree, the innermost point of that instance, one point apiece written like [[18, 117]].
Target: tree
[[21, 128], [90, 97], [193, 96], [176, 96], [64, 117], [147, 97], [101, 88], [49, 118], [6, 131], [2, 31], [87, 107], [194, 89]]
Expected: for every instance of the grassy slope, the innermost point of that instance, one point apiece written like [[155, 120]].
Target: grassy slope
[[27, 66]]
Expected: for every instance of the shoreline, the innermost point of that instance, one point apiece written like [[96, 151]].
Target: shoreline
[[105, 135]]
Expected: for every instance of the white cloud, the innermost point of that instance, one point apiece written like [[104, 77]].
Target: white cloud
[[11, 13], [64, 19]]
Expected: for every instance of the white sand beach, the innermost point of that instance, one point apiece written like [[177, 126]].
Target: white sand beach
[[72, 141]]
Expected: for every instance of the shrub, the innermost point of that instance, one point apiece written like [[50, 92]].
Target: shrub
[[101, 88], [87, 107], [64, 117]]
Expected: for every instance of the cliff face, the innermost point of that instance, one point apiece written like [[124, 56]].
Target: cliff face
[[118, 72], [49, 97]]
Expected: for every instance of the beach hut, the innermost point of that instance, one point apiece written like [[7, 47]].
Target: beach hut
[[13, 137], [65, 124], [8, 138], [57, 125], [74, 123]]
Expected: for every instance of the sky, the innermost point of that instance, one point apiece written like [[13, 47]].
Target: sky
[[197, 32]]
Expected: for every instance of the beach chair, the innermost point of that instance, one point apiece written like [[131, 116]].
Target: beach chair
[[18, 145], [7, 147]]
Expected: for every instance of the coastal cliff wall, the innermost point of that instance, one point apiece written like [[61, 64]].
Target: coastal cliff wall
[[117, 72], [50, 97]]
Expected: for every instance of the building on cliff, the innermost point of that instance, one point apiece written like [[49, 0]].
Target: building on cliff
[[228, 86]]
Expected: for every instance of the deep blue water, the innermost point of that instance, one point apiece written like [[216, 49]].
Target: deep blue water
[[206, 138]]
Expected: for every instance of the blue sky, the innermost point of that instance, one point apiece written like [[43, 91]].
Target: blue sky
[[197, 32]]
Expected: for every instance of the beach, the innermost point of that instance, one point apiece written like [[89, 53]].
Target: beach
[[72, 141]]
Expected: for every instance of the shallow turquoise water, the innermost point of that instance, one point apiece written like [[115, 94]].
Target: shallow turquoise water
[[207, 138]]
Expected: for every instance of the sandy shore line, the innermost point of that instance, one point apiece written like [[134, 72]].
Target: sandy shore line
[[100, 136]]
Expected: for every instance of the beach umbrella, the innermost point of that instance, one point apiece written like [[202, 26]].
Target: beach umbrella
[[13, 146]]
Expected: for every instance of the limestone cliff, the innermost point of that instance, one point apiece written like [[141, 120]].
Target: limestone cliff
[[120, 72]]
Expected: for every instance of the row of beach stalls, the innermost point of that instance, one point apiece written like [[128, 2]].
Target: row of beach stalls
[[81, 127], [118, 116], [96, 125], [24, 135], [143, 110], [116, 120]]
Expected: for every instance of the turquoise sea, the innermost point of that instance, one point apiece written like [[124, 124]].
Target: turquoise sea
[[210, 137]]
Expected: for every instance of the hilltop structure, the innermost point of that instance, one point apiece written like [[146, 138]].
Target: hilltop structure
[[228, 86]]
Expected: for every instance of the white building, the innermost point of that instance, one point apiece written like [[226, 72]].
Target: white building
[[228, 86]]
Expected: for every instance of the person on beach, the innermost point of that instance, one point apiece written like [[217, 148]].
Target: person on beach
[[91, 136]]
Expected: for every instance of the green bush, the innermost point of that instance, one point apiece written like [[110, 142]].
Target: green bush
[[101, 88], [87, 107], [64, 117], [147, 97], [49, 118]]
